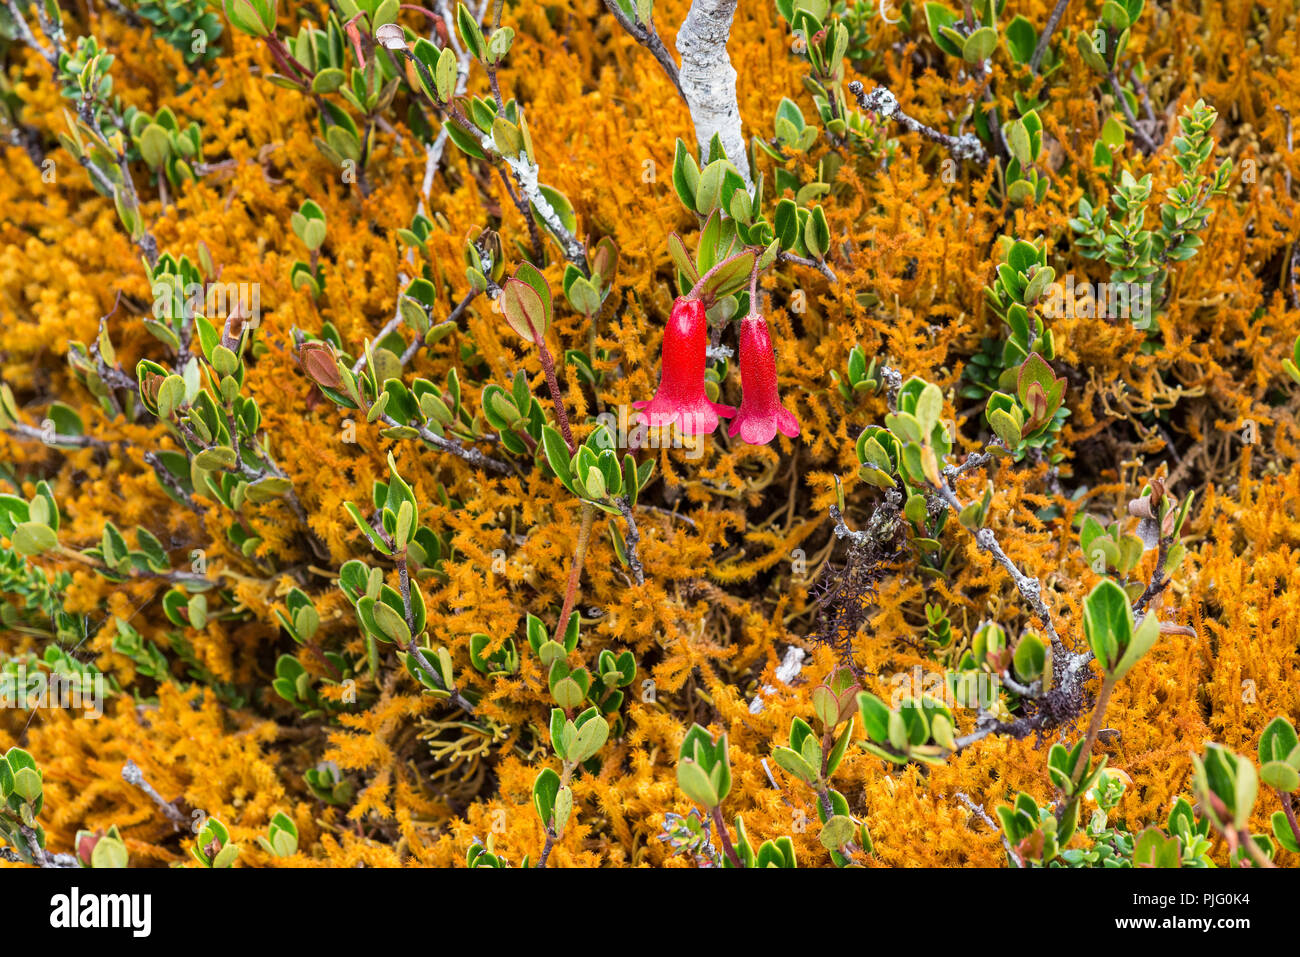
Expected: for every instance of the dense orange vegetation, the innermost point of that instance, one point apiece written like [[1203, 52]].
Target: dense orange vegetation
[[731, 542]]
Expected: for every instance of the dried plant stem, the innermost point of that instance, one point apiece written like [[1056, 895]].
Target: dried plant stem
[[883, 103], [983, 815], [633, 539], [1094, 727], [132, 774], [456, 312], [821, 267], [40, 856], [25, 34], [1159, 581], [546, 848], [472, 456], [1148, 145]]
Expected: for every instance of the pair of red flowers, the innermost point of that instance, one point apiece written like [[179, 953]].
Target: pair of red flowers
[[681, 399]]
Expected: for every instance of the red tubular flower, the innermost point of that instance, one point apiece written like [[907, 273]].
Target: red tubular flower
[[761, 413], [680, 399]]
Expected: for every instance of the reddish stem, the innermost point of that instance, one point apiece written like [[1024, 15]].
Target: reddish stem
[[1289, 811], [575, 573], [287, 61], [553, 385], [725, 837]]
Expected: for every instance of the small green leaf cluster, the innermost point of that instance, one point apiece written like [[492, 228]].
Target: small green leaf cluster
[[484, 855], [571, 687], [163, 145], [829, 38], [1022, 280], [990, 653], [806, 757], [102, 849], [293, 682], [593, 472], [1031, 830], [83, 74], [950, 32], [1117, 641], [328, 784], [861, 376], [938, 626], [282, 836], [814, 758], [719, 245], [213, 847], [31, 525], [176, 21], [486, 661], [1025, 181], [254, 17], [913, 442], [771, 853], [1135, 253], [575, 741], [1102, 47], [1183, 842], [718, 190], [147, 657], [1022, 41], [919, 729], [308, 224], [908, 453], [587, 293], [1113, 551], [386, 614], [1226, 786], [704, 768], [1279, 768], [1031, 418], [22, 795]]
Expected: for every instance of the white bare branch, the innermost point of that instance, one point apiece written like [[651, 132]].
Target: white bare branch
[[708, 80]]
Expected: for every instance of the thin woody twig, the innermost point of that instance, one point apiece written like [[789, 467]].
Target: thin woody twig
[[1148, 145], [132, 774], [980, 813], [633, 539], [1041, 49], [883, 103], [646, 35], [817, 264], [472, 456]]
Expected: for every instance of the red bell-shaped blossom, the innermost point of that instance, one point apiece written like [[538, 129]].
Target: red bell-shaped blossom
[[761, 413], [680, 399]]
